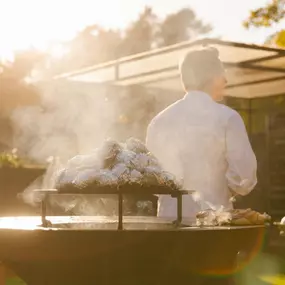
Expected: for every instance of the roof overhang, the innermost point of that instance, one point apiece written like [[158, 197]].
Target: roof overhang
[[253, 71]]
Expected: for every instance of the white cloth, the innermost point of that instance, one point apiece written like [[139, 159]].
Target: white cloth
[[205, 144]]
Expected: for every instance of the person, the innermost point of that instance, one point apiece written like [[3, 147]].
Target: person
[[202, 141]]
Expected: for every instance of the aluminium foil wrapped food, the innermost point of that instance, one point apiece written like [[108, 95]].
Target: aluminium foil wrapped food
[[135, 176], [126, 157], [109, 152], [136, 146], [116, 164], [88, 177], [140, 162]]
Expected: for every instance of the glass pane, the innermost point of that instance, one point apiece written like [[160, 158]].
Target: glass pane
[[258, 122]]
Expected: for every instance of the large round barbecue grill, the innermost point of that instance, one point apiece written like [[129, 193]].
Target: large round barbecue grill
[[122, 250]]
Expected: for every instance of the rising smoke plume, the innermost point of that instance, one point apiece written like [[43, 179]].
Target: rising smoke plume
[[73, 119]]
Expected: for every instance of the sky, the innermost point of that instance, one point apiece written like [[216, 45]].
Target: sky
[[25, 23]]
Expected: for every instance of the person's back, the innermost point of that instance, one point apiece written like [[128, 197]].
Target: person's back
[[203, 143]]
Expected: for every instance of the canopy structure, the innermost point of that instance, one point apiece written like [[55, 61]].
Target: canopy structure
[[253, 71]]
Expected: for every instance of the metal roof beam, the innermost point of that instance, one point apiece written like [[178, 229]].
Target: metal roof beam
[[262, 59], [255, 67], [277, 78], [172, 68]]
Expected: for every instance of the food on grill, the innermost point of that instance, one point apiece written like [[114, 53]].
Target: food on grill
[[136, 146], [135, 176], [248, 217], [281, 226], [213, 218], [236, 217], [115, 164]]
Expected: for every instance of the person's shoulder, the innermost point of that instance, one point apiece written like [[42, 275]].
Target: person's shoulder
[[155, 122], [227, 112], [231, 118], [165, 114]]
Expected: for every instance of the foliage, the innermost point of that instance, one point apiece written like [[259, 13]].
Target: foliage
[[22, 65], [181, 26], [13, 75], [272, 13], [9, 160], [95, 44], [280, 38], [140, 36]]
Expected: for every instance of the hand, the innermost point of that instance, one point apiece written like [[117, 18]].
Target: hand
[[233, 196]]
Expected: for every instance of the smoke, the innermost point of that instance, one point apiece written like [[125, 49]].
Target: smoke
[[47, 181], [75, 118], [213, 215]]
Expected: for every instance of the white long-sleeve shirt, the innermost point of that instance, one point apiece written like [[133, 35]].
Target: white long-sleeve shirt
[[205, 144]]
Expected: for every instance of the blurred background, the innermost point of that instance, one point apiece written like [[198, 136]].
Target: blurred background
[[41, 39]]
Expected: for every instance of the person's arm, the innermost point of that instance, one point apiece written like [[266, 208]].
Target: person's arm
[[242, 165]]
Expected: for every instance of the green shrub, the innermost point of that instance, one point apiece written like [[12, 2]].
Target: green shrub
[[9, 159]]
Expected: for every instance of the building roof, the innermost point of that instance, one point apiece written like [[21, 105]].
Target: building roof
[[253, 71]]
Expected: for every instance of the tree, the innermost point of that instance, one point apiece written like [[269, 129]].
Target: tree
[[277, 39], [91, 46], [95, 45], [22, 65], [181, 26], [272, 13], [148, 32], [14, 87], [15, 91], [140, 36]]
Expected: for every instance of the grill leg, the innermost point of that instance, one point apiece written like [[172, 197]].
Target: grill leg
[[120, 214], [44, 212]]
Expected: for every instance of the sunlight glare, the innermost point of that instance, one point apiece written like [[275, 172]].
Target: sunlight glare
[[40, 22], [58, 51], [6, 54]]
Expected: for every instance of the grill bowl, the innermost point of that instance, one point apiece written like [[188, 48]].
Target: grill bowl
[[86, 250]]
